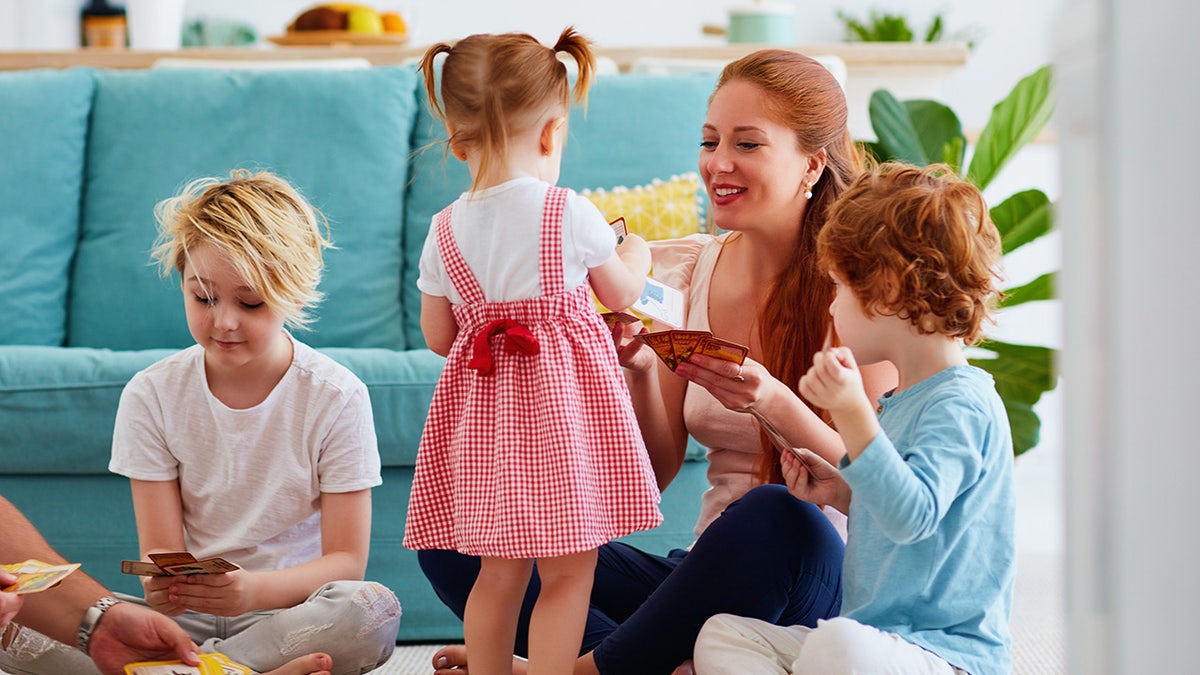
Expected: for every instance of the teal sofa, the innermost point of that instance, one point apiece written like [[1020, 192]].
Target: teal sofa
[[87, 153]]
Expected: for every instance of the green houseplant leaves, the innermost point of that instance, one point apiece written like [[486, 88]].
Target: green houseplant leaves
[[925, 132]]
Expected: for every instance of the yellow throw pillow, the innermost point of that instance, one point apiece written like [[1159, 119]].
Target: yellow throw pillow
[[661, 210]]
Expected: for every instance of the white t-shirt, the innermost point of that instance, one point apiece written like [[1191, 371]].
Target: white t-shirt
[[250, 480], [496, 230]]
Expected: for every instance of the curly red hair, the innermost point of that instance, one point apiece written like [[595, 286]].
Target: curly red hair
[[916, 243]]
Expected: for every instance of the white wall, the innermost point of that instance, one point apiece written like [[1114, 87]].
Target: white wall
[[1015, 33], [1130, 232]]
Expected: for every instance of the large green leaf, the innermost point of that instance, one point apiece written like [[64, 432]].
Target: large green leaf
[[1041, 288], [1022, 218], [1014, 122], [939, 132], [919, 132], [897, 137], [1022, 373]]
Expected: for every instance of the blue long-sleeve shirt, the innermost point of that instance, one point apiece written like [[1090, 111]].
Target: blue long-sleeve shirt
[[930, 554]]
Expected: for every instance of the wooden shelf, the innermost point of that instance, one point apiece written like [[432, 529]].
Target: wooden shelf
[[856, 55]]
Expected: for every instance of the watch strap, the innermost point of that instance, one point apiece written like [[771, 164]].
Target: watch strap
[[91, 618]]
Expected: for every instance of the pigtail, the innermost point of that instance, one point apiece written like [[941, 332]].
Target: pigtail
[[426, 68], [580, 49]]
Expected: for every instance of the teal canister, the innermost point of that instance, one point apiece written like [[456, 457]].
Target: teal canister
[[763, 23]]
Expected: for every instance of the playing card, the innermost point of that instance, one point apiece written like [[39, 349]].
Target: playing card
[[660, 342], [34, 576], [210, 664], [620, 229], [142, 568], [172, 558], [722, 349], [176, 563], [613, 318], [206, 566], [661, 303], [684, 342]]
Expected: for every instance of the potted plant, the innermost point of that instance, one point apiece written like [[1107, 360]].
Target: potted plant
[[923, 132], [889, 27]]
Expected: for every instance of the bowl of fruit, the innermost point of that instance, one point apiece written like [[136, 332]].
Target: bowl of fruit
[[344, 23]]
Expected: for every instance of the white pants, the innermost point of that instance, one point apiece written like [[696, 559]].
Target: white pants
[[355, 622], [734, 645]]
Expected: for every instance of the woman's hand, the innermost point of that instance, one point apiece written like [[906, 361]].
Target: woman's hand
[[737, 387], [225, 594], [810, 478]]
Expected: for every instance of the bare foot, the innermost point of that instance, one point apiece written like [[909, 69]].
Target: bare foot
[[309, 664], [452, 660], [685, 668]]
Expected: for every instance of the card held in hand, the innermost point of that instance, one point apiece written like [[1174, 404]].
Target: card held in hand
[[176, 563], [722, 349], [212, 663], [34, 575], [661, 303], [620, 229], [674, 346]]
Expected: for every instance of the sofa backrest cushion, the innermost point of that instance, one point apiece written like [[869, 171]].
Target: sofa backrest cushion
[[341, 137], [636, 128], [43, 132], [66, 400]]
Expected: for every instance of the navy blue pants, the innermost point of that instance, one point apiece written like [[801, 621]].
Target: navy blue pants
[[769, 556]]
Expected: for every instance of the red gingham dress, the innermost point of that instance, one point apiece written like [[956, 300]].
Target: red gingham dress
[[542, 457]]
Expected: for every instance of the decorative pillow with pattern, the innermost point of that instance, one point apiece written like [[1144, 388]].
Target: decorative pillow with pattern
[[661, 210]]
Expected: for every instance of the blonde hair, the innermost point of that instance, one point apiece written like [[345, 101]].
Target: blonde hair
[[917, 243], [258, 222], [494, 87]]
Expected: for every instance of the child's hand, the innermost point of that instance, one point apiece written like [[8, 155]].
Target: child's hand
[[814, 480], [633, 354], [834, 382], [226, 594], [157, 591]]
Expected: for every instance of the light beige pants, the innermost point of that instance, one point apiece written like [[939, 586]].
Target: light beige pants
[[734, 645], [355, 622]]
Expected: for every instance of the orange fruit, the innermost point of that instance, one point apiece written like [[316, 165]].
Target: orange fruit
[[394, 23]]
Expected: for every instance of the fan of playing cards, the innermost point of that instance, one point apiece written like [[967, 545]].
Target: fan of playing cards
[[673, 346], [35, 575], [176, 563]]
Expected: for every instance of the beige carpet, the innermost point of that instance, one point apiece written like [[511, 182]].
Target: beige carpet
[[1039, 646]]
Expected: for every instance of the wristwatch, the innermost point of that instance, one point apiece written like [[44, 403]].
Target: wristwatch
[[90, 619]]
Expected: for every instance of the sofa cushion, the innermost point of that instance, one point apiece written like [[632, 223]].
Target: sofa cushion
[[66, 399], [663, 209], [43, 129], [637, 128], [341, 137]]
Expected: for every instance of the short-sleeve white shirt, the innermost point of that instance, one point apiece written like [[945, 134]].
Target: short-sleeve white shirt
[[250, 480], [497, 231]]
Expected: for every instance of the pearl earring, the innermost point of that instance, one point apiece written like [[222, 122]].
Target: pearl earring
[[807, 191]]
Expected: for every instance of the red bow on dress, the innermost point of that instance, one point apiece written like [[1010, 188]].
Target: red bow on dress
[[517, 338]]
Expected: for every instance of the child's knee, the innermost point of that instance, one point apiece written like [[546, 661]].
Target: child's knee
[[367, 604], [377, 605], [719, 634]]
